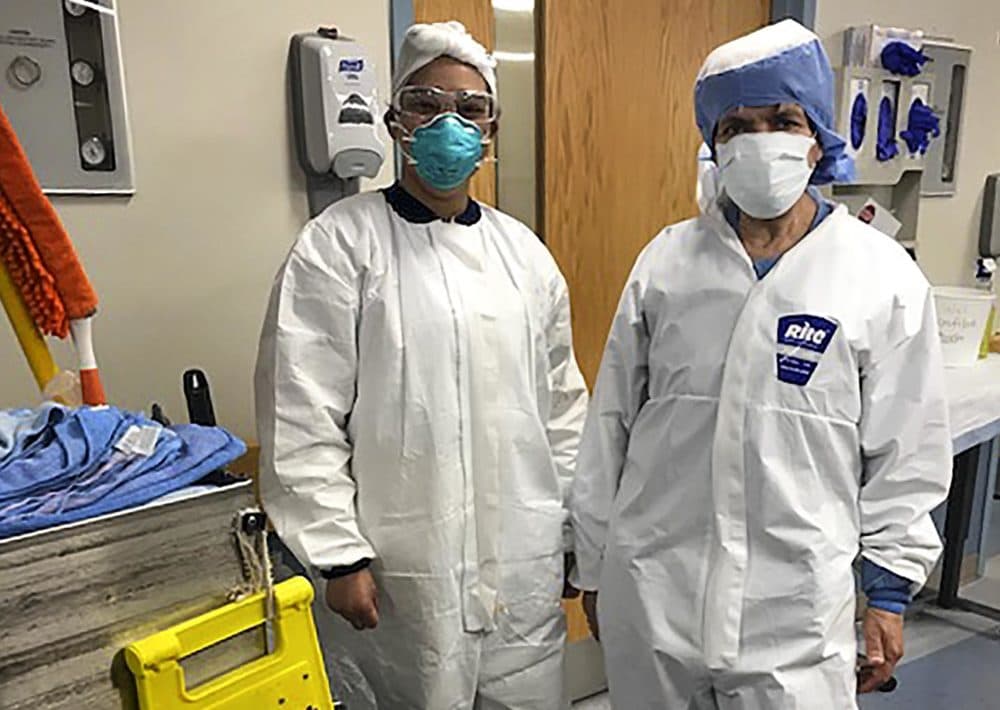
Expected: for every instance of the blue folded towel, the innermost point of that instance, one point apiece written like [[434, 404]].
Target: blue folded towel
[[19, 427], [64, 465], [72, 444]]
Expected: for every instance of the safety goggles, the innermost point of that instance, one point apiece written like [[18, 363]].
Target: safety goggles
[[426, 102]]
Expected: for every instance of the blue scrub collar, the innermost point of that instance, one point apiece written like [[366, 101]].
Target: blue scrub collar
[[413, 210]]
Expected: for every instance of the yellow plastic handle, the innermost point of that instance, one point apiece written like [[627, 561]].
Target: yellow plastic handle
[[36, 351], [291, 676]]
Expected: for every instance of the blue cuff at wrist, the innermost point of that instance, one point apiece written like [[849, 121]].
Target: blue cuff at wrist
[[886, 605]]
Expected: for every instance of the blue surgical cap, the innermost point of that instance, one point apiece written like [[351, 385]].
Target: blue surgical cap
[[779, 64]]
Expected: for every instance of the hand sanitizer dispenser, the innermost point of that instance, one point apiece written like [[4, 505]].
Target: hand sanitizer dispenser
[[335, 109]]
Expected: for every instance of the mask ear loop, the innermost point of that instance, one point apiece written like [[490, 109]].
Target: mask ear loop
[[487, 142], [405, 138]]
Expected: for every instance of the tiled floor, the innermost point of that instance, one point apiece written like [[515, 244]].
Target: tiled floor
[[952, 658], [959, 677]]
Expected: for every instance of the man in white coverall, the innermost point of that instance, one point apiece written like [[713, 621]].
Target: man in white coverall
[[420, 408], [770, 403]]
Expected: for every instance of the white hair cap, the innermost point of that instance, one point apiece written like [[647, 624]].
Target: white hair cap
[[424, 43]]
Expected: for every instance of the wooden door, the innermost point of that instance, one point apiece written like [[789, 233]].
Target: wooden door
[[620, 141], [620, 136], [477, 16]]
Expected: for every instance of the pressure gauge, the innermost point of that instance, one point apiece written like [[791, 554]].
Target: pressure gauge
[[82, 73], [25, 71], [93, 151], [74, 9]]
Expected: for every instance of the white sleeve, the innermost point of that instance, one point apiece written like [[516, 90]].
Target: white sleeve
[[622, 388], [906, 444], [305, 388], [568, 407]]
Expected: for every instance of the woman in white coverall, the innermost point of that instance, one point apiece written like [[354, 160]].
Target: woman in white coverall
[[770, 403], [419, 408]]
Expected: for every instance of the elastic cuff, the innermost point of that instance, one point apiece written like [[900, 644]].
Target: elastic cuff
[[345, 570], [898, 596], [578, 582], [890, 606], [879, 582]]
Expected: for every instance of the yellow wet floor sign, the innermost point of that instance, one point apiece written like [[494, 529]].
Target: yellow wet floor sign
[[292, 677]]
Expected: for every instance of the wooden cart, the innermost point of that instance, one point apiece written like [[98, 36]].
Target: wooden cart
[[72, 597]]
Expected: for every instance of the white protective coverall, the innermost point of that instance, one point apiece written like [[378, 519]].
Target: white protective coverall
[[746, 440], [419, 404]]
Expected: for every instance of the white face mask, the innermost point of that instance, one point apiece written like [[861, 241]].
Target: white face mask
[[765, 173]]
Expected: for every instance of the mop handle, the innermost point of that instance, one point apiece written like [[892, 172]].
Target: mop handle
[[33, 345]]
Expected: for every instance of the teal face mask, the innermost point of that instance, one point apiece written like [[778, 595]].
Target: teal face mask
[[446, 151]]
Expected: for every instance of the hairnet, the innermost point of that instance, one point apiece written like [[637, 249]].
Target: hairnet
[[781, 63], [424, 43]]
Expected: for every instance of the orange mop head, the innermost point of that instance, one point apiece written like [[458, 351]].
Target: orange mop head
[[41, 262]]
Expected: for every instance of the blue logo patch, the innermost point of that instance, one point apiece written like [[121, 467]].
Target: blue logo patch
[[794, 370], [352, 65], [809, 332]]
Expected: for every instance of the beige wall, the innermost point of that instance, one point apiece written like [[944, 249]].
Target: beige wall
[[183, 269], [948, 232]]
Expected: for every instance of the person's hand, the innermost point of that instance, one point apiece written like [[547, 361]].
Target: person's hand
[[884, 647], [569, 591], [355, 598], [590, 611]]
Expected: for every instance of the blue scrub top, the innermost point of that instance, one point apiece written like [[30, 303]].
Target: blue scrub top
[[763, 266]]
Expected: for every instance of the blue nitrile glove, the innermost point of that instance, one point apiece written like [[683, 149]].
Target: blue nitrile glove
[[885, 590], [859, 118], [921, 125], [886, 149], [901, 58]]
